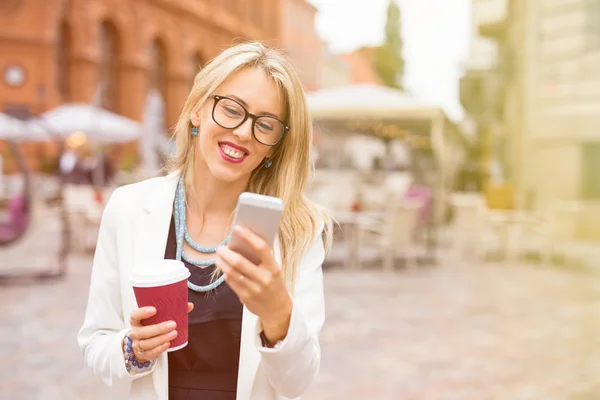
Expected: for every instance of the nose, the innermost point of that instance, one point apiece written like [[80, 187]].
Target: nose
[[244, 131]]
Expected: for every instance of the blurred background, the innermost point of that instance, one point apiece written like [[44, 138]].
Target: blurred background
[[457, 144]]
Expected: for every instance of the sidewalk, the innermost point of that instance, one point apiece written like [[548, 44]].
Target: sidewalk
[[36, 250], [583, 253], [455, 331]]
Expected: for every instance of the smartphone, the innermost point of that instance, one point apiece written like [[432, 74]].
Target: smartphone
[[260, 214]]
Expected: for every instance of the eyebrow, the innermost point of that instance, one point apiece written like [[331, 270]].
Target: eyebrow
[[266, 114]]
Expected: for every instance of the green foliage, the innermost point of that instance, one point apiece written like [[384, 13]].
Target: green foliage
[[389, 62]]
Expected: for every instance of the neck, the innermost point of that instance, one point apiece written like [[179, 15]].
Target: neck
[[214, 197]]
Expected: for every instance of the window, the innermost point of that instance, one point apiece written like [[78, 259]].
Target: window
[[158, 81], [63, 49], [592, 23], [590, 185], [158, 67], [109, 67]]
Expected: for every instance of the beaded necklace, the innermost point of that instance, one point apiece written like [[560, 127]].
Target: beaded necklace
[[181, 234]]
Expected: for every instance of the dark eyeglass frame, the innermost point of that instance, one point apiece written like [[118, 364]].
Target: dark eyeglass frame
[[247, 115]]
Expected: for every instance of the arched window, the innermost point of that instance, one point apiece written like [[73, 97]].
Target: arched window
[[158, 77], [63, 61], [109, 67], [158, 66]]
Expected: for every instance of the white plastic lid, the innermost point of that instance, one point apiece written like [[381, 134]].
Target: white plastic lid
[[158, 273]]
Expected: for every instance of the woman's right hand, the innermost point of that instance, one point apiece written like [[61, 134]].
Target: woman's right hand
[[148, 342]]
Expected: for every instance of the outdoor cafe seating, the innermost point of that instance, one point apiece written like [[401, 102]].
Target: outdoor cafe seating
[[377, 222], [16, 219]]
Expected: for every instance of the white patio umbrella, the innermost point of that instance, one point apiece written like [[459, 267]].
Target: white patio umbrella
[[367, 101], [98, 124], [10, 125], [100, 127], [12, 128], [371, 102]]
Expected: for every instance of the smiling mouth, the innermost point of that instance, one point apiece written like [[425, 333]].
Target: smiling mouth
[[232, 152]]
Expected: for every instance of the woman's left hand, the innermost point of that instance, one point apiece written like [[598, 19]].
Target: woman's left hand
[[261, 288]]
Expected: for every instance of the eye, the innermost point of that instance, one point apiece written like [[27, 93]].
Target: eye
[[232, 111], [264, 126]]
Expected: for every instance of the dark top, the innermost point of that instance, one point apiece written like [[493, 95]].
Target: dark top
[[207, 368]]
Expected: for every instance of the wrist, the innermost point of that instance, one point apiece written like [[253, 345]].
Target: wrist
[[275, 328], [132, 364]]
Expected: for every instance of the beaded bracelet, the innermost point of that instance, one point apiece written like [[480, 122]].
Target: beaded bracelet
[[131, 363]]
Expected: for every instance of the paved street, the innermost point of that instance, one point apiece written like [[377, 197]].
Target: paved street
[[493, 331]]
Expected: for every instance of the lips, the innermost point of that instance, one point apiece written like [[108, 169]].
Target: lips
[[232, 153], [236, 147]]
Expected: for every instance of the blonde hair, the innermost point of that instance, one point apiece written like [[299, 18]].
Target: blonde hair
[[291, 156]]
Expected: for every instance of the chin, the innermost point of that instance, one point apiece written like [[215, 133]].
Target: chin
[[225, 174]]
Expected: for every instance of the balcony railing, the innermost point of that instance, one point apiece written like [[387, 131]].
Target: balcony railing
[[490, 16]]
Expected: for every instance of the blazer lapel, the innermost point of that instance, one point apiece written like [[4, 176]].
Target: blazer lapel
[[152, 230], [150, 242]]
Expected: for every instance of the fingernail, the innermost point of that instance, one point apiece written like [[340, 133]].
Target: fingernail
[[150, 310], [171, 324], [173, 334]]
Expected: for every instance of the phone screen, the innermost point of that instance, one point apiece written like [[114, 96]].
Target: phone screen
[[262, 220]]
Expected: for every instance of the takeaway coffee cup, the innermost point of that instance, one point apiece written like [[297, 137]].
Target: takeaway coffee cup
[[163, 284]]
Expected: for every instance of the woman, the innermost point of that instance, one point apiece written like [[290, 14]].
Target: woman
[[253, 329]]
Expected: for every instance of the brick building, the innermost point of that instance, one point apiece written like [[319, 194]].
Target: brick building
[[57, 51], [362, 66], [299, 39]]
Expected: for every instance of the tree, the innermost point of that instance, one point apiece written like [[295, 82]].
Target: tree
[[389, 62]]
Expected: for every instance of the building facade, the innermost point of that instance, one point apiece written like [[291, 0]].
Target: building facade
[[300, 41], [482, 96], [561, 97], [335, 71], [114, 52], [483, 51], [362, 66], [546, 82]]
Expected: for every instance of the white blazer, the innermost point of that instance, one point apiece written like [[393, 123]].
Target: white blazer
[[134, 227]]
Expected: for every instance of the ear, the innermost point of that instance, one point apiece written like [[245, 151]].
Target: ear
[[273, 150], [195, 117]]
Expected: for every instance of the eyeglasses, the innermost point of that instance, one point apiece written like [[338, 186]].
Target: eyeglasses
[[230, 114]]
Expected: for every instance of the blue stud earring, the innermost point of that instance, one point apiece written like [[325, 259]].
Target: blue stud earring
[[195, 130], [269, 163]]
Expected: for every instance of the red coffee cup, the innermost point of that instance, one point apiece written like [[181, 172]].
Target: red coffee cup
[[162, 284]]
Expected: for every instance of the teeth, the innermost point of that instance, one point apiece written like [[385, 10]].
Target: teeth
[[231, 152]]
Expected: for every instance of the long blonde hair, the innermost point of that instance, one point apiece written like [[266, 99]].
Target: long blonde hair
[[292, 166]]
